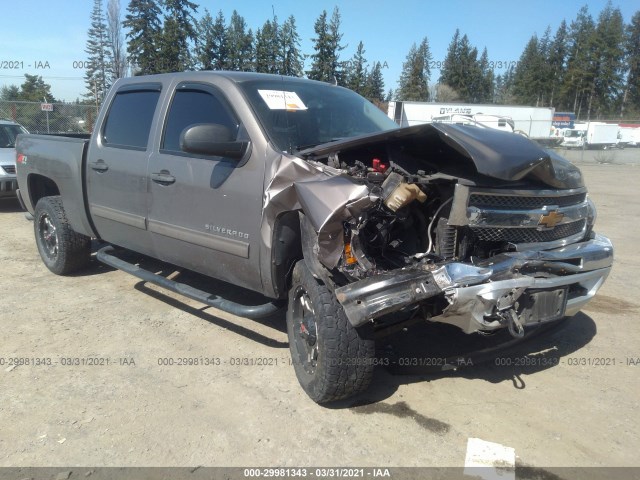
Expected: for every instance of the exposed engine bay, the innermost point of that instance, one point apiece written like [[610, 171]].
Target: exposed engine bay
[[477, 228]]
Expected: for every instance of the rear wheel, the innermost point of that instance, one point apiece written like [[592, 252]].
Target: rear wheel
[[62, 249], [331, 358]]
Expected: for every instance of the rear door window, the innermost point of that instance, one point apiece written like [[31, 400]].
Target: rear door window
[[130, 117]]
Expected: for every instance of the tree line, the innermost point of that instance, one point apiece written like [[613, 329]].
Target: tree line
[[588, 66], [165, 36]]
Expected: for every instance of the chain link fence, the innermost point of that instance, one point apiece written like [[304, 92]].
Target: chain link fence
[[52, 118]]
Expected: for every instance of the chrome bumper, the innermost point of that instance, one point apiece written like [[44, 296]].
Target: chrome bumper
[[478, 293]]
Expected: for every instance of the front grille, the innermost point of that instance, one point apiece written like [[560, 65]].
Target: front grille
[[529, 235], [11, 169], [519, 202]]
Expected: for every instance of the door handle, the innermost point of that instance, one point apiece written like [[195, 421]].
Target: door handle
[[99, 166], [163, 178]]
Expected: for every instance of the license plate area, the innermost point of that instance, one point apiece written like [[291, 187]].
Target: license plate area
[[537, 306]]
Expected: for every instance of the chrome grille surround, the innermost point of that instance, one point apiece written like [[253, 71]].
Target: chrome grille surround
[[516, 216]]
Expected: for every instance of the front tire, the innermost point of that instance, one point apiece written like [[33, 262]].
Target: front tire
[[332, 359], [62, 249]]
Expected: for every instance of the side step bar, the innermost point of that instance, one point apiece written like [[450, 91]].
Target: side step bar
[[254, 312]]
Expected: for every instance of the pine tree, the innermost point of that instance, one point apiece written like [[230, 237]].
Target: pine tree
[[414, 79], [504, 87], [220, 43], [35, 89], [356, 72], [579, 76], [462, 71], [96, 78], [335, 39], [450, 72], [556, 62], [204, 42], [291, 58], [631, 96], [177, 32], [268, 48], [484, 88], [608, 69], [326, 65], [375, 84], [528, 78], [143, 24], [240, 55]]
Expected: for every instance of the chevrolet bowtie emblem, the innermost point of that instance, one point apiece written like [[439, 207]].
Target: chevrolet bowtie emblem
[[550, 219]]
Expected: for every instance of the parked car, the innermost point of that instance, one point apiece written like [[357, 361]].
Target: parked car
[[304, 191], [9, 130]]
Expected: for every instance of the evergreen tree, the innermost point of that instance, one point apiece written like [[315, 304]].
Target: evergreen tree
[[335, 39], [96, 78], [115, 42], [9, 92], [35, 89], [356, 72], [291, 58], [414, 79], [484, 80], [608, 68], [177, 32], [529, 76], [463, 72], [240, 53], [375, 84], [631, 96], [268, 48], [390, 95], [220, 44], [450, 71], [326, 65], [504, 87], [579, 76], [143, 24], [204, 42], [556, 62]]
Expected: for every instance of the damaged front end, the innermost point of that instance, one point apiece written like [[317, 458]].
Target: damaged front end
[[445, 222]]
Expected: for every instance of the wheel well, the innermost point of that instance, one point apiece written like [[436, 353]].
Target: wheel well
[[40, 186], [286, 250]]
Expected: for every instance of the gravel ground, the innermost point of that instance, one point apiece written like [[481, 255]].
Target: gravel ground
[[567, 398]]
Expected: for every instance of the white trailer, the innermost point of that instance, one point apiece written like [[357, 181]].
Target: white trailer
[[534, 122], [629, 137]]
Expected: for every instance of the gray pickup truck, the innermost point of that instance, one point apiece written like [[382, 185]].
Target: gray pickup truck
[[305, 191]]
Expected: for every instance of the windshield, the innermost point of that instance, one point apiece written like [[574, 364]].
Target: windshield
[[8, 134], [299, 115], [573, 133]]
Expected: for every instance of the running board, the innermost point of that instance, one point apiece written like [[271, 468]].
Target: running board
[[254, 312]]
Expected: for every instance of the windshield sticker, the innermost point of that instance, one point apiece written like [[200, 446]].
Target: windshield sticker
[[280, 100]]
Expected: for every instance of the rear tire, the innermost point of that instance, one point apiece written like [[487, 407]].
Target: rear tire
[[62, 250], [332, 359]]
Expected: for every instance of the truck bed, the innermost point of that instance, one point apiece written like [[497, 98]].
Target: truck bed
[[59, 159]]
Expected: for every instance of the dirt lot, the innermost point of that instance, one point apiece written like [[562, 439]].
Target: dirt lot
[[570, 398]]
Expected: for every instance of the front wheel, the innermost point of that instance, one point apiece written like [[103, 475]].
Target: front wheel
[[332, 359], [62, 249]]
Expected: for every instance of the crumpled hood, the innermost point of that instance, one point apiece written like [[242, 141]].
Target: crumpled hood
[[459, 149]]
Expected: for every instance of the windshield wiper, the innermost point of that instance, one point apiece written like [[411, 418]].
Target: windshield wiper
[[299, 148]]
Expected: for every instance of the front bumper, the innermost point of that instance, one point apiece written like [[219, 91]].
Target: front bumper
[[8, 186], [478, 294]]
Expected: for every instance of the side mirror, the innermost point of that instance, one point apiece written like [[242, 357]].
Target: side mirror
[[212, 139]]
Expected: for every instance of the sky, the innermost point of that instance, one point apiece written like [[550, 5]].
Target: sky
[[48, 37]]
